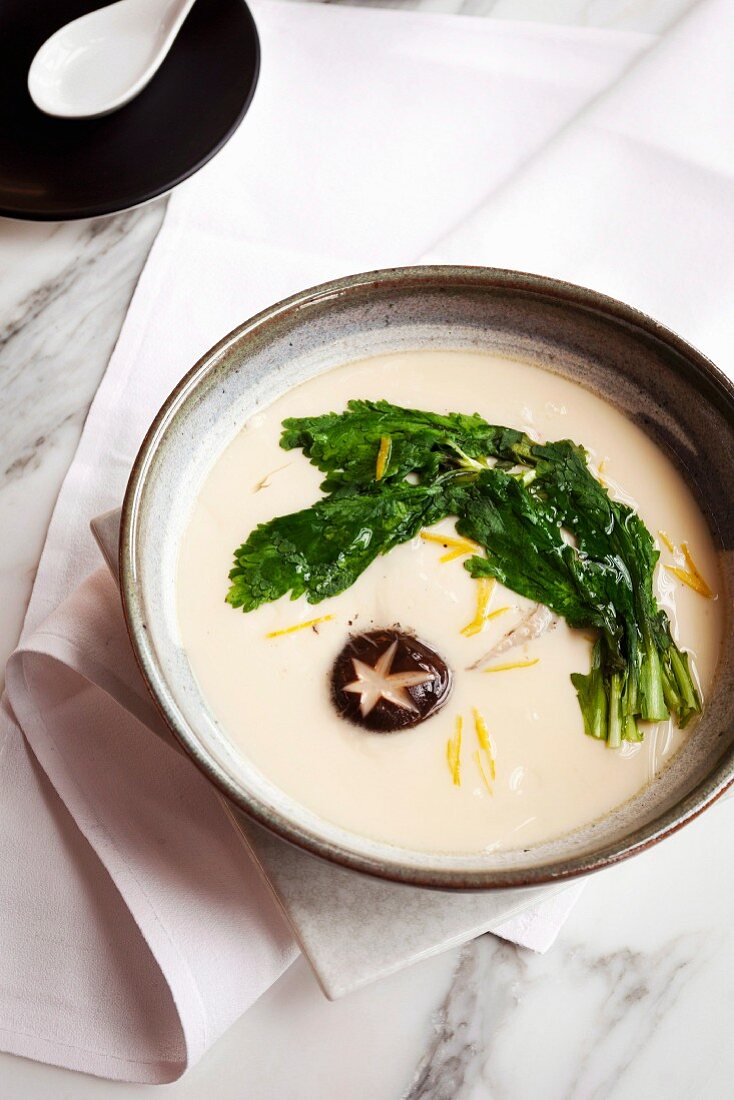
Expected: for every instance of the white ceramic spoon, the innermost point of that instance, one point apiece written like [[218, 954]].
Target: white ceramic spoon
[[100, 61]]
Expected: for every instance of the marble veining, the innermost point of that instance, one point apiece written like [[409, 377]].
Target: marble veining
[[64, 290], [619, 1000], [636, 998], [450, 1060], [59, 311]]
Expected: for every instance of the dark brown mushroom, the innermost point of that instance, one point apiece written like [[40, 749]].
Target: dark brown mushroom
[[388, 680]]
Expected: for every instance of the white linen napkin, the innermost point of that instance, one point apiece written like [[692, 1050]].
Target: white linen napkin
[[136, 930], [636, 199]]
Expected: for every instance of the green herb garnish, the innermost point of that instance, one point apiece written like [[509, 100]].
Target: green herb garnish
[[516, 499]]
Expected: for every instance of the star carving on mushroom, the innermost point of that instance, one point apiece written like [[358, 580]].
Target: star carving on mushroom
[[376, 682]]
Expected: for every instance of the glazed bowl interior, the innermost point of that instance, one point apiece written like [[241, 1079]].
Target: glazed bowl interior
[[651, 375]]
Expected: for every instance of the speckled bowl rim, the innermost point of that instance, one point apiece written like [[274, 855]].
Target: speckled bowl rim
[[400, 279]]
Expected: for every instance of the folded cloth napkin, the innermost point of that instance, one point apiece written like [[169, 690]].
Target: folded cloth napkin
[[135, 930]]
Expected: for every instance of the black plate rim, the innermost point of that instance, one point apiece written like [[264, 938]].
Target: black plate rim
[[105, 209]]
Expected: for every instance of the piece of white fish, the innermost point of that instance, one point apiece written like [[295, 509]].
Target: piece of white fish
[[539, 619]]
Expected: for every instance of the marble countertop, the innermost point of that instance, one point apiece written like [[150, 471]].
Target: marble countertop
[[636, 998]]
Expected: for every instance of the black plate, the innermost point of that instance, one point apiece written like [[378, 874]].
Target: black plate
[[56, 169]]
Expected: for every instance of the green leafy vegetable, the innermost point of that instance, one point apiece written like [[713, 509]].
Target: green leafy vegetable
[[323, 549], [344, 446], [549, 529]]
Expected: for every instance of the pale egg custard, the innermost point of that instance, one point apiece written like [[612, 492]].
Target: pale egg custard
[[506, 617]]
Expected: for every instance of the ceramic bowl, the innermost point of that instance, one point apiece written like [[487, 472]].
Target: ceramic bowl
[[675, 394]]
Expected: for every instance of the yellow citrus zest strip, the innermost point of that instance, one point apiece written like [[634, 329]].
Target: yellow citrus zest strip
[[698, 584], [485, 585], [704, 588], [453, 752], [454, 554], [482, 733], [299, 626], [665, 539], [458, 547], [482, 772], [690, 576], [513, 664], [484, 740], [383, 456], [497, 612]]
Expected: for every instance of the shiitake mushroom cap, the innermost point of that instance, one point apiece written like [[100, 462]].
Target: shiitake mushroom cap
[[411, 655]]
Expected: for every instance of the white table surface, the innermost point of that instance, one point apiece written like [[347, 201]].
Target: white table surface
[[636, 1000]]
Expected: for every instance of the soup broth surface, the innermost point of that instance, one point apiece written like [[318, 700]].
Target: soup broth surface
[[272, 696]]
